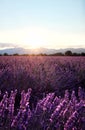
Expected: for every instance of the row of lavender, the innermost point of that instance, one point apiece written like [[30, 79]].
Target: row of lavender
[[51, 112], [41, 73]]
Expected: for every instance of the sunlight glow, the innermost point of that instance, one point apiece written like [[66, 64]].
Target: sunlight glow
[[36, 37]]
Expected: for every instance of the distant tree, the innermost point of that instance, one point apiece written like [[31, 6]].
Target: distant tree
[[5, 54], [25, 55], [82, 54], [68, 53], [41, 54], [16, 54], [59, 54], [75, 54]]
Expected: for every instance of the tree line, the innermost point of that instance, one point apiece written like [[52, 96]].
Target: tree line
[[67, 53]]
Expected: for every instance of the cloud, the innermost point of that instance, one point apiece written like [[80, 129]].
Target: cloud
[[7, 45]]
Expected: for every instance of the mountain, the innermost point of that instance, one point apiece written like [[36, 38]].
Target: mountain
[[40, 50], [14, 50], [27, 51]]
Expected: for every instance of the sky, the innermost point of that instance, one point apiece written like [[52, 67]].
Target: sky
[[42, 23]]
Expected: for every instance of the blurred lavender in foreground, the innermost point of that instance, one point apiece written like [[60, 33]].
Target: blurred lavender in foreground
[[50, 113]]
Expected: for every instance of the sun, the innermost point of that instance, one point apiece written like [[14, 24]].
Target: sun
[[33, 37]]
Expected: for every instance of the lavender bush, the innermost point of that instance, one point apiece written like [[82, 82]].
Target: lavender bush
[[41, 73], [50, 113], [42, 93]]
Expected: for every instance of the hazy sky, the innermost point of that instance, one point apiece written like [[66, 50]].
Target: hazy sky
[[42, 23]]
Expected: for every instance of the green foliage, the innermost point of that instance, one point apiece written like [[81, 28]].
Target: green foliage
[[68, 53]]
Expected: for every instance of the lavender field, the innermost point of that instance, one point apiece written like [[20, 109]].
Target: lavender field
[[42, 93]]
